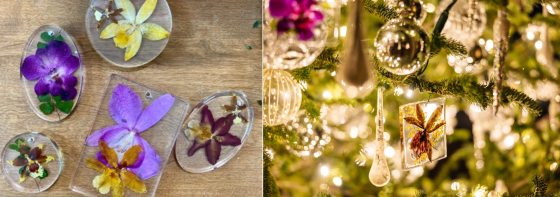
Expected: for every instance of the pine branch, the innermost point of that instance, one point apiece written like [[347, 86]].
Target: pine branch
[[381, 9], [327, 60], [463, 86], [279, 135], [270, 189], [453, 46], [540, 186]]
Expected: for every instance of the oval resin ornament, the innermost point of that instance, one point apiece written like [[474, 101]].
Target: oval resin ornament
[[31, 162], [128, 33], [214, 132], [52, 73]]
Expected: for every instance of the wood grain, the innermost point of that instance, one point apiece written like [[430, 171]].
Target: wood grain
[[208, 52]]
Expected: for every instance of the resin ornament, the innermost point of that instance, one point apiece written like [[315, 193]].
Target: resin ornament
[[31, 162], [131, 140], [281, 97], [422, 128], [295, 32], [128, 33], [214, 132], [52, 73], [402, 47]]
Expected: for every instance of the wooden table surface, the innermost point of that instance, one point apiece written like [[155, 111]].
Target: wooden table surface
[[213, 47]]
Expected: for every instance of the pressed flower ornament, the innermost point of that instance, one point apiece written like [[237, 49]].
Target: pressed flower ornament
[[116, 174], [53, 73], [125, 107], [212, 135], [423, 129], [128, 33], [109, 13], [31, 161], [214, 131], [131, 139]]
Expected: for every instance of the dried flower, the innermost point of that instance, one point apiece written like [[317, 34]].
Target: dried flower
[[421, 142], [52, 67], [212, 135], [109, 13], [235, 109], [297, 15], [125, 108], [116, 175], [127, 34], [31, 160]]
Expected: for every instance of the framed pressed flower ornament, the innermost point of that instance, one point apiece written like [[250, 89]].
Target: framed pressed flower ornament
[[128, 33], [422, 129], [52, 73], [214, 132], [131, 140], [31, 162]]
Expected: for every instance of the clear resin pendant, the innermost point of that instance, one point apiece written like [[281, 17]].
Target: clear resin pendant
[[31, 162], [130, 142], [52, 73], [128, 33], [214, 132], [422, 126]]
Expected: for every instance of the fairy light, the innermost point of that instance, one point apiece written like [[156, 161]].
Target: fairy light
[[553, 166], [510, 140], [489, 45], [324, 170], [337, 181], [399, 91], [354, 131], [390, 152], [409, 93], [386, 136], [333, 73], [481, 42], [430, 8], [538, 45], [530, 35], [455, 186], [342, 31], [327, 95]]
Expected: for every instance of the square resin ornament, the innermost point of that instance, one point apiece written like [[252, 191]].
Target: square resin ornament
[[130, 142], [422, 128]]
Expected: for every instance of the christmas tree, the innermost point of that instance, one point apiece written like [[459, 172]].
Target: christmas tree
[[467, 99]]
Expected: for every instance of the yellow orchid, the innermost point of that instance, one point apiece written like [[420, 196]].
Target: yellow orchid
[[114, 174], [127, 34]]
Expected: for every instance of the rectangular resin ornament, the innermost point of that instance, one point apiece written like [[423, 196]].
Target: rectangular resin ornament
[[422, 130], [143, 134]]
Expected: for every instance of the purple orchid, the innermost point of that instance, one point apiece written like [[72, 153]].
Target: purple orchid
[[53, 68], [297, 15], [125, 108], [212, 135]]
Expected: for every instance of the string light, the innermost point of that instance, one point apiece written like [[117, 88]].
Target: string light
[[553, 166], [489, 45], [324, 170], [342, 31], [337, 181], [389, 151], [327, 95], [538, 45]]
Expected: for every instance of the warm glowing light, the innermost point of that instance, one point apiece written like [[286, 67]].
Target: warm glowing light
[[337, 181], [553, 166], [538, 45], [324, 170], [327, 94], [342, 31], [430, 8], [409, 93], [389, 151], [489, 45], [481, 41], [354, 131], [386, 136], [530, 35], [455, 186], [399, 91]]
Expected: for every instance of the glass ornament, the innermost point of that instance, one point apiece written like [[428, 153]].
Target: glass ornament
[[220, 105], [48, 106], [422, 129], [466, 21], [402, 47], [379, 174], [415, 7], [281, 97], [355, 74], [286, 50], [313, 136], [43, 154]]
